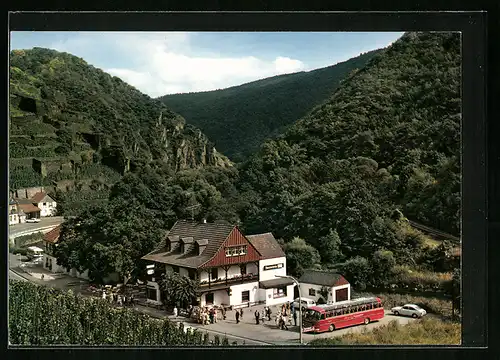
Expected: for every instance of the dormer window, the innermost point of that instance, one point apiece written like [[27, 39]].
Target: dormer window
[[181, 247], [168, 246]]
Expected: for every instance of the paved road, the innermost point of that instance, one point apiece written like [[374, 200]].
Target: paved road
[[44, 222], [15, 276]]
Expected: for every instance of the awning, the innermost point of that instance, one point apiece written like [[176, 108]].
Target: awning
[[269, 284]]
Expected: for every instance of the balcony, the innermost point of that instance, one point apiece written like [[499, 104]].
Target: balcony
[[238, 279]]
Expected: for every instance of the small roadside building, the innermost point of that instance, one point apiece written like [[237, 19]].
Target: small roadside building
[[50, 240], [315, 284], [16, 214]]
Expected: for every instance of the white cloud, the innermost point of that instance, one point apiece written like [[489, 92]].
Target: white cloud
[[165, 63]]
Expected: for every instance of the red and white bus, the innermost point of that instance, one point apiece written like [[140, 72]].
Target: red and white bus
[[322, 318]]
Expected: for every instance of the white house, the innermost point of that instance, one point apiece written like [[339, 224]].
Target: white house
[[45, 203], [232, 269], [272, 290], [50, 240], [315, 284], [16, 214]]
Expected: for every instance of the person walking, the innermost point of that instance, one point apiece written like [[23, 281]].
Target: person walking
[[241, 313], [119, 300], [237, 317], [285, 319], [223, 313], [269, 314], [295, 317], [257, 317], [175, 311], [211, 314]]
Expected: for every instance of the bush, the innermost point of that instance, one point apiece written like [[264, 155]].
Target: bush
[[426, 331], [406, 278]]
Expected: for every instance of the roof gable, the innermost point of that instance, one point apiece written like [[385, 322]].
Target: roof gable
[[235, 238], [266, 245], [324, 278]]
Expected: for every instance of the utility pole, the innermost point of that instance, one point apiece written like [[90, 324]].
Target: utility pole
[[300, 302]]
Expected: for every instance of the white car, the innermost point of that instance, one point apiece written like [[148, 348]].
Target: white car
[[412, 310], [34, 220], [306, 303]]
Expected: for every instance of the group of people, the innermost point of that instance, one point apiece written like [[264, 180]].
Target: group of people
[[211, 316], [118, 299], [284, 317]]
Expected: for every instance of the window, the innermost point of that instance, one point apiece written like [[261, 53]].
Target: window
[[181, 247], [209, 298], [236, 250], [44, 204], [312, 292], [214, 273], [279, 292], [243, 269], [151, 294], [245, 296], [192, 274]]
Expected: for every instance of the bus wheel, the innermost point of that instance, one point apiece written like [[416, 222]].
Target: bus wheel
[[367, 321], [331, 328]]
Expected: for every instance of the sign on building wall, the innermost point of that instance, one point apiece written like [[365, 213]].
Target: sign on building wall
[[274, 266]]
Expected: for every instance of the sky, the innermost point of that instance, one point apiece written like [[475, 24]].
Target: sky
[[160, 63]]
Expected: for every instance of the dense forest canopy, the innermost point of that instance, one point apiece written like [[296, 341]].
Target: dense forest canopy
[[389, 138], [88, 127], [238, 119]]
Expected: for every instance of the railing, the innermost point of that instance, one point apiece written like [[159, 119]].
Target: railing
[[236, 279]]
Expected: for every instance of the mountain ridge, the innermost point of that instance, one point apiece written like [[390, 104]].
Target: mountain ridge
[[240, 117]]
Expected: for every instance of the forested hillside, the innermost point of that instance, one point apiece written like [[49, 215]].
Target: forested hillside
[[77, 129], [385, 146], [335, 188], [240, 118]]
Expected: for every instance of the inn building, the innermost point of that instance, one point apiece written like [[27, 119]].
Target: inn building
[[231, 268]]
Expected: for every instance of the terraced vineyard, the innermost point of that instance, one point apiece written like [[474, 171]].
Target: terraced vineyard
[[76, 130]]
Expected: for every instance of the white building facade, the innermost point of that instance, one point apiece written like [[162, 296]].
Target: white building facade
[[315, 284], [232, 270]]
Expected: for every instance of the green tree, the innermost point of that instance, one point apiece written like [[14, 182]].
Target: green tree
[[300, 256], [382, 264], [329, 247], [179, 290], [357, 271], [109, 239]]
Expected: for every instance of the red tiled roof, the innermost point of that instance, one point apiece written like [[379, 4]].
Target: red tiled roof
[[266, 245], [38, 197], [28, 208], [53, 235]]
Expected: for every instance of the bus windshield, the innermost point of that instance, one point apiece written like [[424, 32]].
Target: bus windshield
[[312, 315]]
